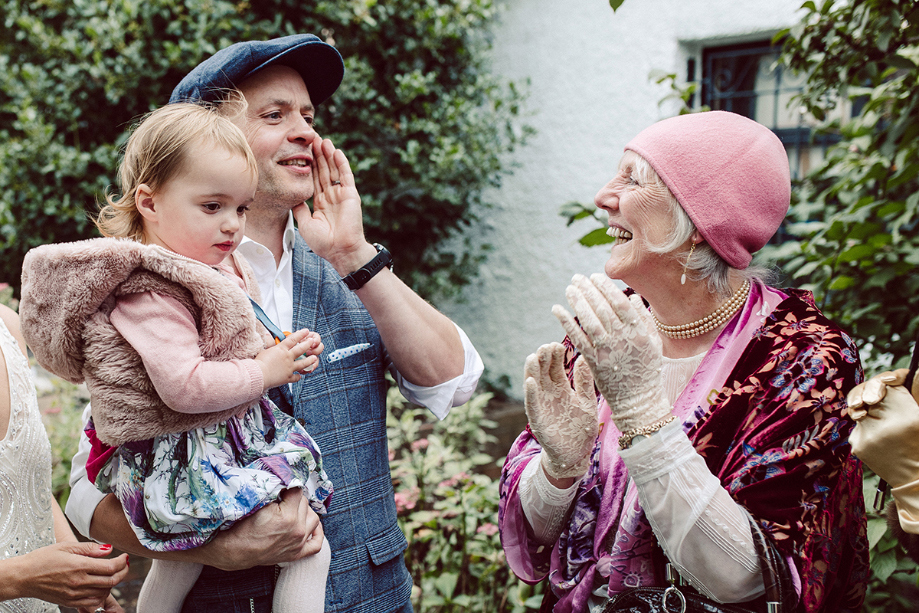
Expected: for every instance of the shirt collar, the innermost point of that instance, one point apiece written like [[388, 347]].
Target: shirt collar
[[290, 233], [290, 237]]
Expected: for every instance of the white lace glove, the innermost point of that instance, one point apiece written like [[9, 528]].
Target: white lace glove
[[618, 339], [564, 421]]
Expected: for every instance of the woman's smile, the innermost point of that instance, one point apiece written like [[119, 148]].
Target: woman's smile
[[619, 236]]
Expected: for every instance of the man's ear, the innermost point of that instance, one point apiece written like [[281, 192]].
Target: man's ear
[[143, 200]]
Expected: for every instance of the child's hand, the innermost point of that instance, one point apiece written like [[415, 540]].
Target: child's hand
[[284, 362], [318, 347]]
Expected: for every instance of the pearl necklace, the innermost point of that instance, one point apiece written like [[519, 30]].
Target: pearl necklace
[[710, 322]]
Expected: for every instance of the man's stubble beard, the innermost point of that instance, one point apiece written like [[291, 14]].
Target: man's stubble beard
[[273, 200]]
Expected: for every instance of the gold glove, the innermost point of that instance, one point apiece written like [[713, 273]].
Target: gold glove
[[886, 438], [906, 497], [874, 389]]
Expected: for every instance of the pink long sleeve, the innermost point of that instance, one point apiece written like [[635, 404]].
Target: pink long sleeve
[[163, 333]]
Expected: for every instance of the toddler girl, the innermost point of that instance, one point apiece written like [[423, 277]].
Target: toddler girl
[[155, 319]]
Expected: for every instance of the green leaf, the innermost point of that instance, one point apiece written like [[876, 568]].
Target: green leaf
[[877, 527], [883, 565], [596, 237], [857, 252], [806, 269], [463, 600], [615, 4], [903, 63], [903, 176], [446, 583], [533, 602], [891, 208], [836, 231], [842, 282], [880, 240]]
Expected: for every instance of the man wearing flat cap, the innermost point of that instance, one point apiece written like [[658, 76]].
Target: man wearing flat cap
[[325, 276]]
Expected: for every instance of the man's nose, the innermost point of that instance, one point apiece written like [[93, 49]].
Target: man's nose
[[302, 130]]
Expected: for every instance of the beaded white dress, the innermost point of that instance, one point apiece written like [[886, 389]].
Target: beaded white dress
[[26, 522]]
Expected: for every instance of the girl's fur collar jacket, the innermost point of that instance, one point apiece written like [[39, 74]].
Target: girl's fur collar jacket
[[68, 292]]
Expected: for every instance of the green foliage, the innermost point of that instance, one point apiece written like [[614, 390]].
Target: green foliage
[[424, 123], [892, 586], [6, 296], [680, 91], [853, 220], [448, 510], [575, 211], [62, 407]]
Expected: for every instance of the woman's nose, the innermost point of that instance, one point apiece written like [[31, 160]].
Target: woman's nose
[[607, 197]]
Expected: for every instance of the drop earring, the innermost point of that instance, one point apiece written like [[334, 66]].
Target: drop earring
[[686, 265]]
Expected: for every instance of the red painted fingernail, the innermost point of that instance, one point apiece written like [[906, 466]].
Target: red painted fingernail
[[105, 547], [127, 560]]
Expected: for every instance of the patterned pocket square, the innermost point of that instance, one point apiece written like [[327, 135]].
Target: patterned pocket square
[[340, 354]]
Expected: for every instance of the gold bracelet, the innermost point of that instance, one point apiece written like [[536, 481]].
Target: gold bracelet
[[625, 441]]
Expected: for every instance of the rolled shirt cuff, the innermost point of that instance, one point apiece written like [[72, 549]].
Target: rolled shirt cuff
[[439, 399]]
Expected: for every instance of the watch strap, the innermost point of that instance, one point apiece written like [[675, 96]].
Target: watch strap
[[357, 279]]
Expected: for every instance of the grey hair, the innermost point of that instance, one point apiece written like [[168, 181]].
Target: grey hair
[[703, 262]]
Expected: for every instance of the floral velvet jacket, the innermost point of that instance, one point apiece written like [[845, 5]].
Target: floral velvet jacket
[[776, 436]]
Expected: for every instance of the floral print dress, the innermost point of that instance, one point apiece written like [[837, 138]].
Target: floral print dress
[[178, 490]]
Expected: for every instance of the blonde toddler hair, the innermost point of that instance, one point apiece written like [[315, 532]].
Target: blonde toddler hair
[[157, 151]]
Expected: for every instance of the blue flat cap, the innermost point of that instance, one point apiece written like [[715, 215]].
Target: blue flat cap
[[318, 63]]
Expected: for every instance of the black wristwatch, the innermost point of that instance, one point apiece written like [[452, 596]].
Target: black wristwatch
[[357, 279]]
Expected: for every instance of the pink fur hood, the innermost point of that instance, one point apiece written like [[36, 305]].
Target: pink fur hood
[[68, 292]]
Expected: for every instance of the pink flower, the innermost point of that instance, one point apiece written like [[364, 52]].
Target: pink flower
[[405, 501], [392, 455], [490, 529], [420, 444], [454, 480]]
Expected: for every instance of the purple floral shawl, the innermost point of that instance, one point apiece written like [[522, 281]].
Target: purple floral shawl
[[766, 410]]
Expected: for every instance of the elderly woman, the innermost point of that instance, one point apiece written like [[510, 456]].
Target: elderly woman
[[719, 445]]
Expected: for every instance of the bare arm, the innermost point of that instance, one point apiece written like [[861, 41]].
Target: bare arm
[[62, 531], [422, 342], [279, 532]]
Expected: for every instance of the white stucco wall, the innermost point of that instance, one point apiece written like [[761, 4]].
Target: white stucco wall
[[589, 94]]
